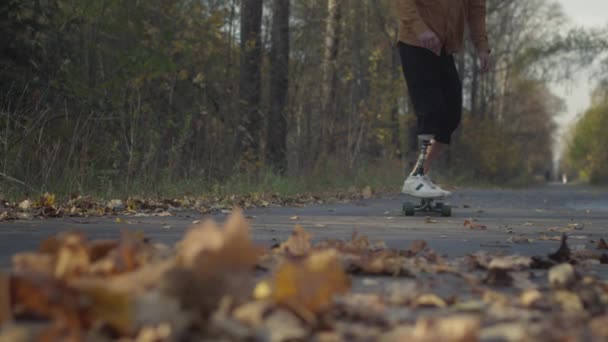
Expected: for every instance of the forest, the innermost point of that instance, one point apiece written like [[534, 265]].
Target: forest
[[120, 97]]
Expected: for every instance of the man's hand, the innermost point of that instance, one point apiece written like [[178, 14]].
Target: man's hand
[[429, 40], [485, 61]]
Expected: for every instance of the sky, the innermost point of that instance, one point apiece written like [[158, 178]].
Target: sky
[[589, 14]]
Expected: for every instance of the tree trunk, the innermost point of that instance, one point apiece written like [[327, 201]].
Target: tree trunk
[[276, 144], [250, 128], [395, 130], [329, 84]]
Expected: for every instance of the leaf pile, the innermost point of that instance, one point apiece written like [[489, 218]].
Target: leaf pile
[[48, 205], [216, 284]]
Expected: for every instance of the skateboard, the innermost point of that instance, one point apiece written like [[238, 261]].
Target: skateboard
[[427, 205]]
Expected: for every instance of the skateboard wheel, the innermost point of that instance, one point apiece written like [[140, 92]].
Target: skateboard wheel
[[409, 209], [446, 210]]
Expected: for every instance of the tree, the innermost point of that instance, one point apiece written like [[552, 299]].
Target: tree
[[330, 74], [276, 144], [250, 128]]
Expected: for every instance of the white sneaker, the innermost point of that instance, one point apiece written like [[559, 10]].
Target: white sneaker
[[420, 186], [430, 182]]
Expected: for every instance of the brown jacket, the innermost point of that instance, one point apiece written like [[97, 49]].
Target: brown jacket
[[446, 18]]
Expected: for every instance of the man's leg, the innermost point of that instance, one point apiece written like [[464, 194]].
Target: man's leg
[[422, 71]]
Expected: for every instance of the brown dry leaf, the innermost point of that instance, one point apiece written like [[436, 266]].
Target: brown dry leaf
[[359, 306], [563, 253], [33, 262], [298, 243], [213, 263], [512, 262], [602, 244], [429, 300], [429, 219], [72, 257], [550, 238], [568, 301], [6, 313], [252, 313], [309, 285], [210, 237], [416, 247], [460, 328], [136, 282], [471, 224], [5, 216], [47, 297], [282, 325], [498, 277], [530, 297]]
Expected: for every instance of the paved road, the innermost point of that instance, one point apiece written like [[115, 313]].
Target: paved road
[[506, 213]]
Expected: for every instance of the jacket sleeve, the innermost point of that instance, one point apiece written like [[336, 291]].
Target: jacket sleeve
[[408, 14], [477, 24]]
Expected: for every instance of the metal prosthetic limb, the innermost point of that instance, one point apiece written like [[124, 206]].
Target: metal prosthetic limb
[[424, 141], [426, 205]]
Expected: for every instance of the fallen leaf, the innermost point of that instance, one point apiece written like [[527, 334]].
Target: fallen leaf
[[253, 313], [6, 314], [458, 328], [25, 205], [475, 226], [530, 297], [429, 301], [576, 226], [416, 247], [563, 253], [498, 277], [429, 219], [550, 238], [568, 301], [298, 243], [562, 276], [283, 325], [308, 286]]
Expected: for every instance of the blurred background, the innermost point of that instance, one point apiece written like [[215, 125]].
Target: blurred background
[[168, 97]]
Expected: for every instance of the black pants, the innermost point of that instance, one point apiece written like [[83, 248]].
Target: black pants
[[435, 90]]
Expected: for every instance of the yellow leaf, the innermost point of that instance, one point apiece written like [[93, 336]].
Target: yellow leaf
[[310, 284], [112, 308], [47, 200]]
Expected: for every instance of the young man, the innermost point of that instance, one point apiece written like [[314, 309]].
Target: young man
[[430, 31]]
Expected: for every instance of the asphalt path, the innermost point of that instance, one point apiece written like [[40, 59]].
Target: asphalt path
[[516, 222]]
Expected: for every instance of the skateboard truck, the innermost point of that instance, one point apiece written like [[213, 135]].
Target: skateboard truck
[[426, 204]]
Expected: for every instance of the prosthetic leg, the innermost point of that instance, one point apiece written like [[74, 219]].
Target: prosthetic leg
[[426, 205]]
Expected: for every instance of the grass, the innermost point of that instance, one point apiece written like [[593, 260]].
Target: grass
[[327, 178], [330, 177]]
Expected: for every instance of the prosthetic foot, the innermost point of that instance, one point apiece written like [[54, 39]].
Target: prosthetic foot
[[420, 186]]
